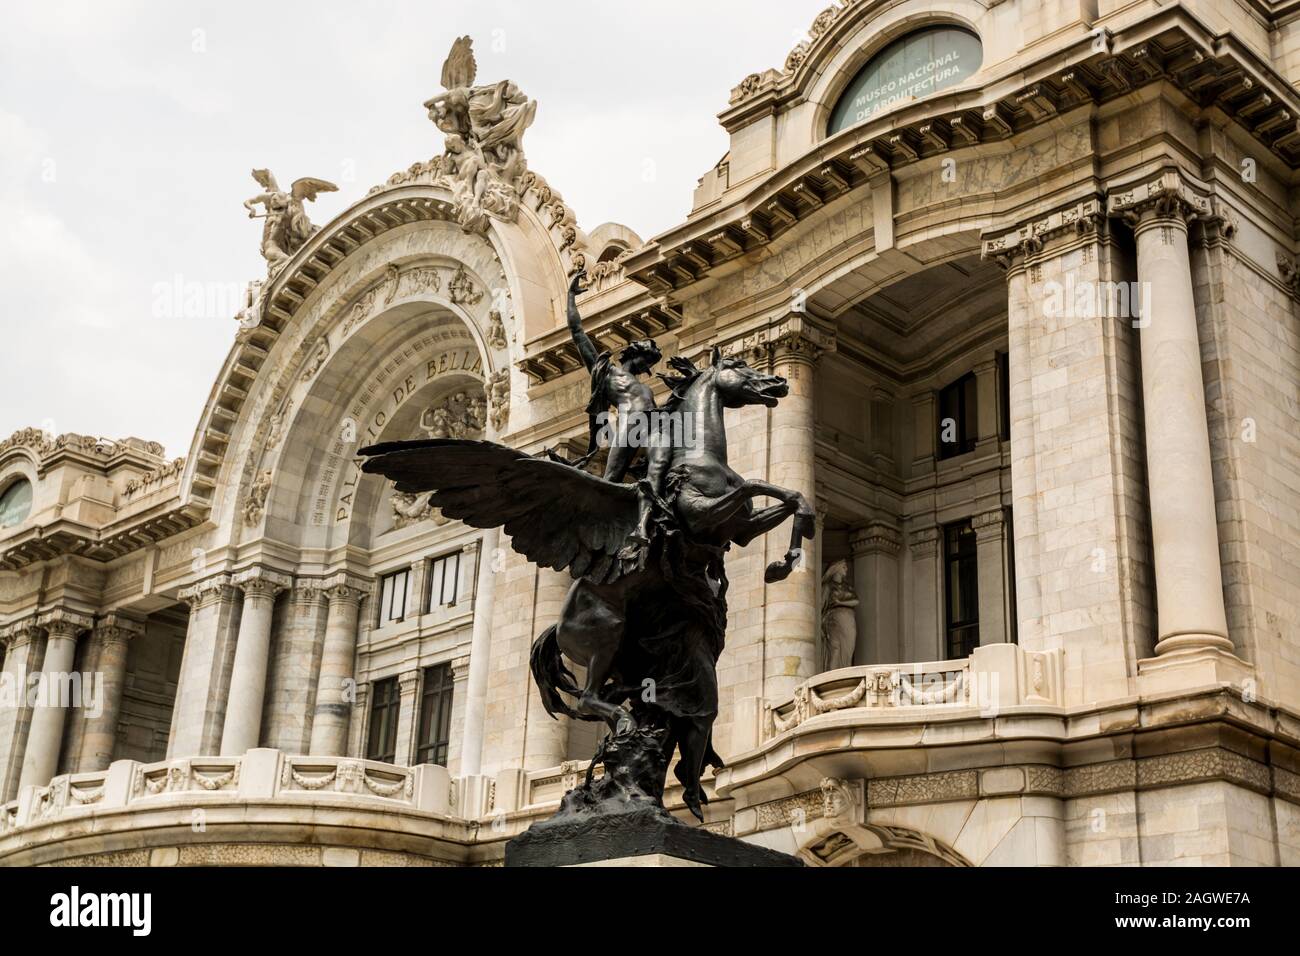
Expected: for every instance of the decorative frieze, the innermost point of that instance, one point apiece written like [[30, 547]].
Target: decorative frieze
[[922, 788]]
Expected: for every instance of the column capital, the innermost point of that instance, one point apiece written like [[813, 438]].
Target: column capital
[[1011, 247], [1167, 199], [875, 538], [62, 622], [344, 588], [20, 633], [795, 336], [460, 669], [406, 682], [307, 592], [261, 582], [989, 522], [207, 591], [114, 627], [923, 541]]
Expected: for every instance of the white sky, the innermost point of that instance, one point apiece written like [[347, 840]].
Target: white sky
[[126, 140]]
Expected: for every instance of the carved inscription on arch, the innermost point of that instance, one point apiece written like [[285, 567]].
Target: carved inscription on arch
[[400, 377]]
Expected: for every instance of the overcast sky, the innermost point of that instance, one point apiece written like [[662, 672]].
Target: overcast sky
[[128, 129]]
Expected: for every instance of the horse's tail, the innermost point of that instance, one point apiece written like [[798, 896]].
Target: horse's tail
[[551, 675]]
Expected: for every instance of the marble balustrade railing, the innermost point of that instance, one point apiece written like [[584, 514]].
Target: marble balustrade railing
[[993, 677]]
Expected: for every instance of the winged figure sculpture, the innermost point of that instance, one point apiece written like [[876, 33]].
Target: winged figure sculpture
[[648, 622]]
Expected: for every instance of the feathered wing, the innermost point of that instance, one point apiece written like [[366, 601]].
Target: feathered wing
[[308, 187], [459, 69], [557, 516], [266, 180]]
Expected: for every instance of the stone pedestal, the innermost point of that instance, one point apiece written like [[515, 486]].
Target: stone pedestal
[[645, 837]]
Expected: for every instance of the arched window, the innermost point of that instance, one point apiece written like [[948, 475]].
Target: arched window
[[912, 67], [15, 503]]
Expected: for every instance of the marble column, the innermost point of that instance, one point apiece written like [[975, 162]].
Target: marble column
[[793, 619], [991, 571], [200, 708], [49, 715], [408, 682], [486, 561], [24, 651], [1189, 583], [875, 550], [242, 728], [926, 642], [546, 738], [336, 683], [110, 642]]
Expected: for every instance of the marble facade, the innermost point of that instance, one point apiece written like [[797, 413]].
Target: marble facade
[[1091, 235]]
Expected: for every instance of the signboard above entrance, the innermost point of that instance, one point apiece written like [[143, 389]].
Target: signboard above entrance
[[912, 67]]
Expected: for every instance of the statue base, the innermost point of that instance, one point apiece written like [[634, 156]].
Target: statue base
[[644, 836]]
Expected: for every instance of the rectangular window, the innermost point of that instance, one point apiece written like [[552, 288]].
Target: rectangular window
[[1004, 396], [961, 589], [392, 596], [958, 425], [384, 706], [444, 580], [435, 715]]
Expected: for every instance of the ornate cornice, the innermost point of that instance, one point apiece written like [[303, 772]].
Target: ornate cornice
[[1215, 72], [555, 354]]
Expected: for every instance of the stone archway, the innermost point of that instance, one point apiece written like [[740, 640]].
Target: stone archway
[[876, 845]]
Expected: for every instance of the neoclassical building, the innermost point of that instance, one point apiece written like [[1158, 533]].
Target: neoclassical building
[[1031, 271]]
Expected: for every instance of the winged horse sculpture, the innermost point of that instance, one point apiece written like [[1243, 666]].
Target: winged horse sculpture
[[648, 629]]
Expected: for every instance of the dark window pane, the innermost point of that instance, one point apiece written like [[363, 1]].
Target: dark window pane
[[961, 589], [384, 706], [435, 715], [958, 418]]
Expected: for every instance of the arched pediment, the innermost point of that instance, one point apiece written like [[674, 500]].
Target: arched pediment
[[393, 282]]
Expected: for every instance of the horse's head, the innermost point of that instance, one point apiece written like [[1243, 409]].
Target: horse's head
[[738, 384]]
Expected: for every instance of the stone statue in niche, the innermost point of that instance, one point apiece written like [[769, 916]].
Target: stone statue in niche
[[496, 333], [287, 226], [839, 623], [483, 128]]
